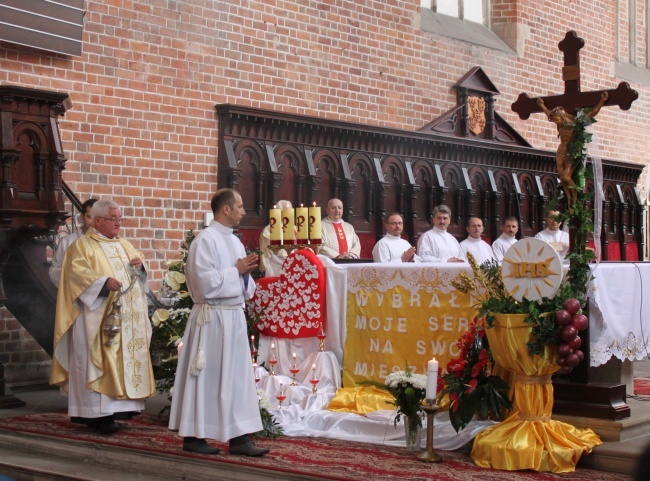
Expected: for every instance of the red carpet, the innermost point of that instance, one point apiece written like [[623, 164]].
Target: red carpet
[[642, 386], [322, 458]]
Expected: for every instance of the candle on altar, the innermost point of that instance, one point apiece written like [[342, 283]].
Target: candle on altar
[[432, 379], [294, 357], [302, 224], [315, 233], [272, 347], [288, 233], [275, 225]]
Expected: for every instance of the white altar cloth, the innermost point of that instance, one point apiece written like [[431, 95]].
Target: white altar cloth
[[619, 316]]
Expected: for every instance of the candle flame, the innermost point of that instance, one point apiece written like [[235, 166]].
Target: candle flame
[[313, 366]]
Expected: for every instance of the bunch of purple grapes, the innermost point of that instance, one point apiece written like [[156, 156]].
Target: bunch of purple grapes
[[572, 321]]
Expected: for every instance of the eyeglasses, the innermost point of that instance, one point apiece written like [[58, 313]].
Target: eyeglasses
[[114, 220]]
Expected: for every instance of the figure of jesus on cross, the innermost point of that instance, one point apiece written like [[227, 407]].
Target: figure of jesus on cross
[[565, 131]]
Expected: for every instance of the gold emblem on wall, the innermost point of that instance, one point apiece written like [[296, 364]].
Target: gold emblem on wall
[[476, 114]]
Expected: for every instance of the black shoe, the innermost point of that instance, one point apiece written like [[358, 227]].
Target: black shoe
[[248, 449], [199, 446], [109, 427]]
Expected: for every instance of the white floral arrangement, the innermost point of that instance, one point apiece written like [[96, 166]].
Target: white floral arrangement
[[402, 379], [270, 428], [408, 390]]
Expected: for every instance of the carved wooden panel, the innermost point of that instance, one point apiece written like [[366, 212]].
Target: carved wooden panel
[[374, 171]]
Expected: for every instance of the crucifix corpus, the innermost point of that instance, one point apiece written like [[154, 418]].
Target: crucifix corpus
[[562, 109]]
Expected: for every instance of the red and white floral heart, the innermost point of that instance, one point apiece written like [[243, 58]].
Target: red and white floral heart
[[292, 305]]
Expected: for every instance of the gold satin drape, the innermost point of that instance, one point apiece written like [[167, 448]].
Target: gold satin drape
[[361, 400], [528, 438]]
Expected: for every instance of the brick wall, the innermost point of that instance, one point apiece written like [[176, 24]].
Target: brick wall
[[24, 360], [143, 129]]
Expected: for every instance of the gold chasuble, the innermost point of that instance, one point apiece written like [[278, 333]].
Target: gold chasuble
[[123, 369]]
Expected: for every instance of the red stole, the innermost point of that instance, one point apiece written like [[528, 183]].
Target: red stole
[[340, 236]]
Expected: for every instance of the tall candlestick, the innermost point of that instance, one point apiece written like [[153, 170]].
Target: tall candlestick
[[275, 226], [315, 232], [302, 224], [288, 234], [432, 379]]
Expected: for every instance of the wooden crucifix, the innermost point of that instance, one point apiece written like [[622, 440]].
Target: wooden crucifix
[[573, 98], [562, 109]]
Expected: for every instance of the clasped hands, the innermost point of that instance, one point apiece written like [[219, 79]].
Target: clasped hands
[[247, 264]]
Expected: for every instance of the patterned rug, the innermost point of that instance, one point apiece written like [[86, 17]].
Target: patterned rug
[[641, 386], [321, 458]]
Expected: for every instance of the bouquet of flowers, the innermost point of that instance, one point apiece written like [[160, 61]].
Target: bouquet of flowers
[[169, 324], [409, 391], [270, 429], [469, 383]]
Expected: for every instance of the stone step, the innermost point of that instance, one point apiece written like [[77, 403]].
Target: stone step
[[32, 457]]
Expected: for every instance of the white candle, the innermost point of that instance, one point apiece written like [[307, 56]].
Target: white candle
[[432, 379]]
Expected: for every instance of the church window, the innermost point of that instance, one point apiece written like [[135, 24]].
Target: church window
[[465, 20], [632, 40]]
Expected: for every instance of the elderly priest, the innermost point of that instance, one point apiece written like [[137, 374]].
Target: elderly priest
[[101, 356]]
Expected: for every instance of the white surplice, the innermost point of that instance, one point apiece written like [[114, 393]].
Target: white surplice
[[480, 249], [220, 402], [501, 246], [550, 236], [390, 249], [437, 245], [59, 253]]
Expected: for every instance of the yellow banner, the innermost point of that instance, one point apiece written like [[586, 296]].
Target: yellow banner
[[400, 315]]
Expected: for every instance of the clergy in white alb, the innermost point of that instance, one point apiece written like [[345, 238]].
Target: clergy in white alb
[[391, 247], [437, 245], [555, 236], [64, 243], [480, 249], [339, 238], [214, 391], [102, 374], [508, 237]]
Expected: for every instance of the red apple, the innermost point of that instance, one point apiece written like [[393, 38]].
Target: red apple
[[568, 333], [572, 305], [572, 360], [580, 322], [563, 349], [575, 343], [580, 354], [562, 317]]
